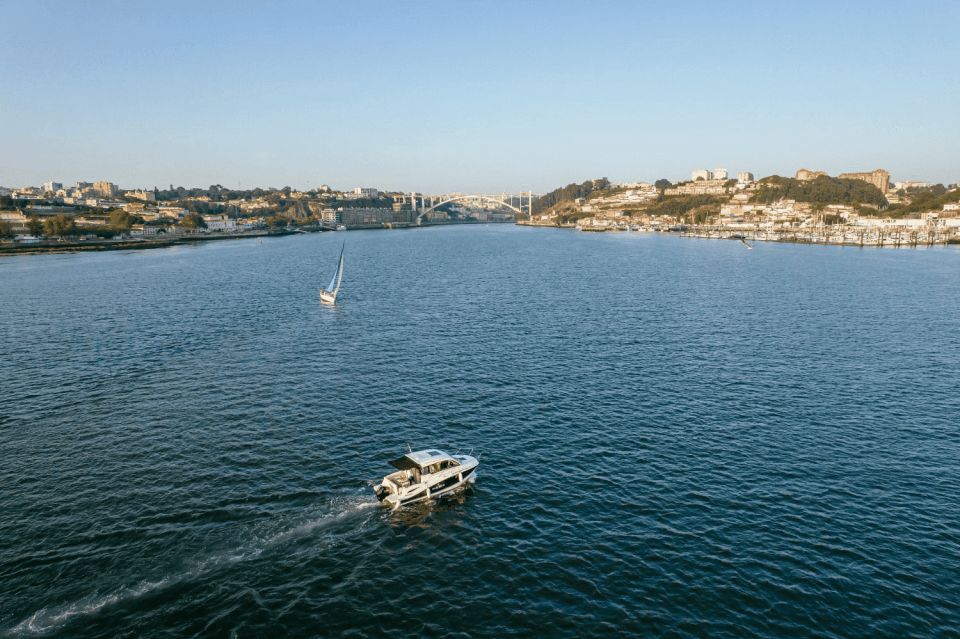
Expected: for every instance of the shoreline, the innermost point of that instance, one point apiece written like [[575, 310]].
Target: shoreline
[[132, 245], [876, 240], [75, 246], [731, 234]]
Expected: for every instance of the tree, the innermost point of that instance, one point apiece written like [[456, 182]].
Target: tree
[[662, 184], [193, 221], [6, 231], [60, 226], [35, 226], [120, 221]]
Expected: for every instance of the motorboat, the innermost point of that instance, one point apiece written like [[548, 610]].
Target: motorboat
[[426, 474]]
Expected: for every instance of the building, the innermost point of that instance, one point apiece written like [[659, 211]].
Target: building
[[699, 187], [878, 177], [174, 212], [807, 174], [701, 174], [744, 177], [330, 216], [220, 223], [719, 174], [106, 189], [142, 194], [52, 187], [910, 184], [362, 191], [16, 219], [366, 217]]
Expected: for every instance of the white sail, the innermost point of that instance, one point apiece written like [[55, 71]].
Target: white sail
[[339, 276], [329, 294]]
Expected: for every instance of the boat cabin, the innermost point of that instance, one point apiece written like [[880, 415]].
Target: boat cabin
[[414, 465]]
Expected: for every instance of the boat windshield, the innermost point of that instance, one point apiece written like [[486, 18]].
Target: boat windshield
[[404, 463]]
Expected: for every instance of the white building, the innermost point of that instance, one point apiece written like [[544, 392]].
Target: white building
[[719, 174], [701, 174], [52, 187], [745, 177], [910, 184], [363, 191], [220, 223]]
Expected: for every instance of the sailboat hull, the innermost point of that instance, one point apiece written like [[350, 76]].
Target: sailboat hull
[[327, 297]]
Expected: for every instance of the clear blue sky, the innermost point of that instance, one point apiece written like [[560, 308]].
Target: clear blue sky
[[473, 96]]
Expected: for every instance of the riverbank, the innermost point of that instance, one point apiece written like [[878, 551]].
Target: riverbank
[[132, 244], [837, 235]]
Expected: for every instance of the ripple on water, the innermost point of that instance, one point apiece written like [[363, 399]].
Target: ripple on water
[[679, 438]]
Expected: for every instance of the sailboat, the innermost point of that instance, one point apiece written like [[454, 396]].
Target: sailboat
[[329, 295]]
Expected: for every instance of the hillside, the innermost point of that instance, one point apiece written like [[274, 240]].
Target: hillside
[[822, 190], [569, 193]]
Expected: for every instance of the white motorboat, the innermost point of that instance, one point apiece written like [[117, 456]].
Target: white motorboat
[[329, 295], [426, 474]]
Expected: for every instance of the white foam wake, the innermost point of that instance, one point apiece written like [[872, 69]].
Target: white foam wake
[[48, 619]]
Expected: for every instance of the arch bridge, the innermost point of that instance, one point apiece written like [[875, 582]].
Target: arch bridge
[[503, 200]]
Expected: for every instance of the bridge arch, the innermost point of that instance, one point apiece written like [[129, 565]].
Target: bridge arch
[[461, 198]]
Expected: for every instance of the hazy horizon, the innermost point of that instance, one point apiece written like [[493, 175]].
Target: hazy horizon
[[473, 97]]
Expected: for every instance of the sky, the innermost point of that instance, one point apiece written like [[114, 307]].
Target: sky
[[476, 97]]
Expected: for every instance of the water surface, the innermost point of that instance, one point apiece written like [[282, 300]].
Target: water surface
[[679, 438]]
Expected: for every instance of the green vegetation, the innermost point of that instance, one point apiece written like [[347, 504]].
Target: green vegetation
[[662, 183], [193, 221], [120, 221], [692, 208], [568, 213], [927, 199], [569, 193], [35, 226], [277, 222], [8, 203], [60, 226], [6, 231], [822, 190]]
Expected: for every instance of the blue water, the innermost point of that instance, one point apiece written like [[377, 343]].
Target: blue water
[[679, 438]]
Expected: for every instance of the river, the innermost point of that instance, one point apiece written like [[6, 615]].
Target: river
[[678, 437]]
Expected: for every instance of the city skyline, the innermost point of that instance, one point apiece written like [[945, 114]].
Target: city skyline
[[437, 98]]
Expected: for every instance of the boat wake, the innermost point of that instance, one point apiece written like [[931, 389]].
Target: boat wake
[[48, 619]]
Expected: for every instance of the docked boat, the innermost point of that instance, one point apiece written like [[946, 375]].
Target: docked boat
[[426, 474], [329, 295]]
